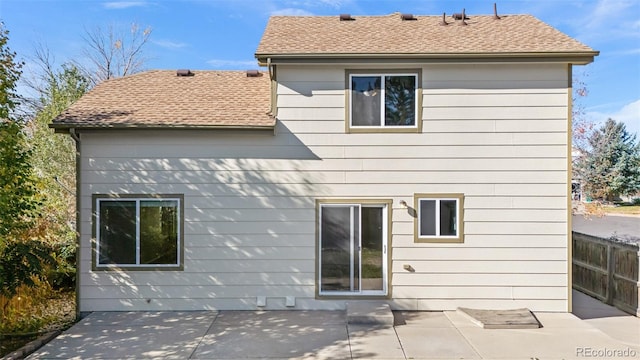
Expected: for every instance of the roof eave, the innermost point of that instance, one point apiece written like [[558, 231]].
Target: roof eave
[[575, 57], [65, 127]]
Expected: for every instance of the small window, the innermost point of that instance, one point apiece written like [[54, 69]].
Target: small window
[[138, 232], [438, 217], [383, 102]]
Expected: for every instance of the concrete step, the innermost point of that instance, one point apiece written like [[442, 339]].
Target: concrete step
[[369, 313]]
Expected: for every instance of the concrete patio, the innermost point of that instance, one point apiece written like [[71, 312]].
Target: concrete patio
[[595, 331]]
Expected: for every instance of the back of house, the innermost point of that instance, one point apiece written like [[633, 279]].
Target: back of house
[[419, 160]]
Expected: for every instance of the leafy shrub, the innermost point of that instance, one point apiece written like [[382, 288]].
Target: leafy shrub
[[34, 308], [21, 262], [62, 276]]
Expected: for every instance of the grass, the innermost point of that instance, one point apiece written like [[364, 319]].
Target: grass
[[598, 209], [622, 209]]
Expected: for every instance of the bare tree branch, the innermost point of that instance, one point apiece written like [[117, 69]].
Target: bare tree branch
[[38, 79], [582, 126], [112, 53]]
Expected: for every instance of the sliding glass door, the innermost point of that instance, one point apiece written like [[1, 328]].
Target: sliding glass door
[[353, 249]]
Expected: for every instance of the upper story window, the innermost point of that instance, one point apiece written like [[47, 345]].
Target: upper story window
[[383, 101], [138, 232]]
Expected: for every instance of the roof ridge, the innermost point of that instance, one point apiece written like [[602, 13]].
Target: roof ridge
[[199, 70], [390, 15], [513, 35], [128, 76]]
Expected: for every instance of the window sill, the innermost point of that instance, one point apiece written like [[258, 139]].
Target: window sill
[[353, 297], [420, 240], [136, 268], [355, 130]]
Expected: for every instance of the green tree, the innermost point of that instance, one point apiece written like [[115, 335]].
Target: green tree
[[53, 161], [610, 167], [21, 258], [18, 186], [21, 262], [9, 75], [54, 155]]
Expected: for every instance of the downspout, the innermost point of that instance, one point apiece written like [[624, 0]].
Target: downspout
[[273, 111], [76, 137], [569, 180]]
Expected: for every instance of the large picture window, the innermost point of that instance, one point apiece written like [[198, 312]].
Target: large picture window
[[438, 217], [383, 101], [138, 232]]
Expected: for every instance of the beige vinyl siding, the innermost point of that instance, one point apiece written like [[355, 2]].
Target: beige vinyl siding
[[495, 133]]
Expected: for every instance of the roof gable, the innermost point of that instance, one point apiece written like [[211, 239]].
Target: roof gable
[[424, 36]]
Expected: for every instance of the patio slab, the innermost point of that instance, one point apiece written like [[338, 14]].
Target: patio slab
[[434, 343], [148, 318], [247, 334], [423, 319], [562, 336], [614, 322], [374, 342], [143, 335], [281, 318], [326, 335]]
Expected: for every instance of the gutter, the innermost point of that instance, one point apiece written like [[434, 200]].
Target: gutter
[[66, 128], [76, 137], [273, 110], [579, 58]]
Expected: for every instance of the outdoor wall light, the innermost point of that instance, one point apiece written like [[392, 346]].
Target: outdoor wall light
[[409, 268]]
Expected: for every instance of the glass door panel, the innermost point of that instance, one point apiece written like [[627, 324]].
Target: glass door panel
[[372, 249], [337, 248]]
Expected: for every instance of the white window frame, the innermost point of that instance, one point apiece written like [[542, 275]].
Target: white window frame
[[458, 198], [138, 200], [383, 75], [385, 247]]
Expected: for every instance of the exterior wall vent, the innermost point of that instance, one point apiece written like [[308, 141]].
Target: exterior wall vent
[[184, 72], [253, 73], [346, 17]]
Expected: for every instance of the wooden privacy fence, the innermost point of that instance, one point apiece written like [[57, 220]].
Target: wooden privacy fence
[[608, 270]]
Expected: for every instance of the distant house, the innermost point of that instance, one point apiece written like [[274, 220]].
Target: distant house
[[577, 193], [376, 157]]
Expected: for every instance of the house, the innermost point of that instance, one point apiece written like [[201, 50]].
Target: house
[[419, 160], [576, 181]]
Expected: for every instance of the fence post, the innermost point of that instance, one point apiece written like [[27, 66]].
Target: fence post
[[638, 287], [610, 271]]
